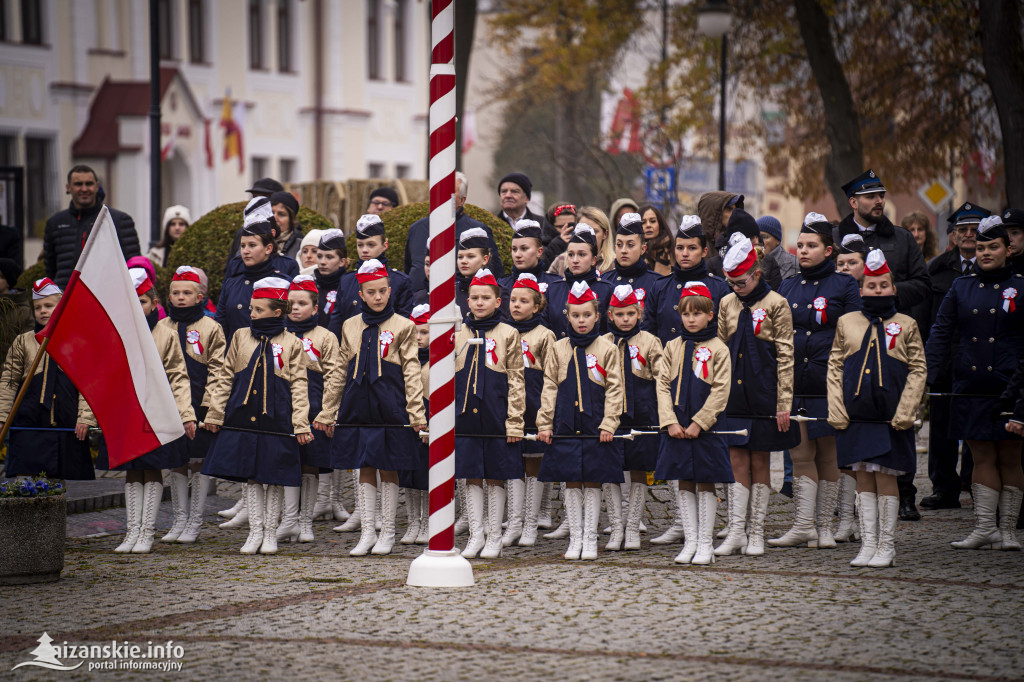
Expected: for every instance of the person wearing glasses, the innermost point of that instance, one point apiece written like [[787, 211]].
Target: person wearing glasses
[[757, 326], [943, 452], [866, 195], [382, 200]]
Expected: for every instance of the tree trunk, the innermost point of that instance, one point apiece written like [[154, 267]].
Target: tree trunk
[[465, 26], [842, 125], [1003, 56]]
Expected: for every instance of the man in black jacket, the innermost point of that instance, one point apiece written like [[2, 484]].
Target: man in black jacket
[[943, 452], [514, 192], [419, 234], [67, 230], [866, 195]]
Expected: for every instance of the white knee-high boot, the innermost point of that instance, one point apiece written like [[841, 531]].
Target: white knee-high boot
[[412, 508], [516, 497], [888, 511], [152, 492], [805, 495], [544, 514], [496, 496], [868, 529], [531, 511], [337, 484], [736, 541], [613, 505], [307, 505], [675, 532], [366, 509], [689, 513], [388, 513], [707, 502], [847, 529], [288, 529], [271, 518], [178, 483], [825, 511], [591, 515], [985, 533], [133, 514], [354, 521], [475, 515], [574, 517], [255, 502], [196, 507]]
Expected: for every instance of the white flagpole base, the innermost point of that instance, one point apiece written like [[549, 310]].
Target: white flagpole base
[[440, 569]]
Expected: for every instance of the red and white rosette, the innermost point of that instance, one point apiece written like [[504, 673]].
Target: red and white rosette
[[892, 330], [820, 305], [1009, 305], [596, 370], [192, 339], [528, 359], [638, 360], [277, 349], [490, 346], [640, 296], [385, 338], [332, 296], [757, 317], [700, 368], [310, 350], [543, 286]]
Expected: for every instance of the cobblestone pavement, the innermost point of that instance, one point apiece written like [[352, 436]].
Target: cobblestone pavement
[[313, 612]]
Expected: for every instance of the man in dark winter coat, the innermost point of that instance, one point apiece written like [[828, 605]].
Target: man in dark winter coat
[[419, 234], [866, 195], [67, 230], [514, 192], [943, 452]]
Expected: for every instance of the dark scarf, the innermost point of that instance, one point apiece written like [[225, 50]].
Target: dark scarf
[[703, 335], [620, 335], [579, 343], [260, 270], [759, 292], [697, 272], [187, 314], [153, 318], [627, 362], [480, 327], [637, 269], [369, 365], [878, 307], [267, 327], [819, 271], [424, 355], [582, 340], [462, 281], [537, 271], [588, 276], [330, 282], [995, 276], [300, 328], [523, 326]]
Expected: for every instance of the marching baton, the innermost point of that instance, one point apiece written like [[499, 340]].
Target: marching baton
[[51, 429], [256, 431], [589, 436], [802, 418], [961, 395], [738, 432]]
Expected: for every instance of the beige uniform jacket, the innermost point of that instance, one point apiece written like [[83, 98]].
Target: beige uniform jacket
[[19, 360], [648, 356], [322, 354], [556, 371], [719, 376], [776, 327], [208, 349], [907, 348], [503, 352]]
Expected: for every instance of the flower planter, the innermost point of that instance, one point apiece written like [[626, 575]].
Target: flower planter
[[33, 531]]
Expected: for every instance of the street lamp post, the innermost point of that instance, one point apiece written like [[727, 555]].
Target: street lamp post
[[714, 20]]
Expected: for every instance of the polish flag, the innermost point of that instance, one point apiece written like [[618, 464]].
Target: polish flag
[[100, 338]]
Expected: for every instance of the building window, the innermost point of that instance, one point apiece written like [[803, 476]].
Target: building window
[[284, 36], [287, 173], [373, 39], [32, 22], [260, 167], [401, 36], [3, 21], [376, 170], [39, 180], [255, 34], [8, 150], [165, 26], [402, 171], [196, 32]]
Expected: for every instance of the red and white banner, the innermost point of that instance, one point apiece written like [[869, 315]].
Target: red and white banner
[[100, 338]]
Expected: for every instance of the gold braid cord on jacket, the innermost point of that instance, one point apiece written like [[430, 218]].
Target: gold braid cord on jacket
[[211, 340], [719, 367], [777, 327], [174, 365], [328, 364], [508, 350], [402, 351], [243, 345], [556, 371], [19, 360], [908, 348]]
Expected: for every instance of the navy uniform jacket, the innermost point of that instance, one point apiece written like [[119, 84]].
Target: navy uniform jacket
[[558, 296], [346, 303], [642, 279], [984, 314], [661, 310]]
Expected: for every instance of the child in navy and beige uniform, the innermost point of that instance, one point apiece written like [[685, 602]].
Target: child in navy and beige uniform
[[381, 405], [52, 402], [526, 315], [640, 358], [416, 481], [755, 322], [982, 318], [259, 407], [876, 378], [693, 389], [580, 407], [203, 347], [489, 401]]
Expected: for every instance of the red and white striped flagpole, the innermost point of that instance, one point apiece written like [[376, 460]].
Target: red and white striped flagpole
[[441, 565]]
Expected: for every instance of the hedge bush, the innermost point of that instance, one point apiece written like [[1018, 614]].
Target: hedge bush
[[397, 222], [207, 241]]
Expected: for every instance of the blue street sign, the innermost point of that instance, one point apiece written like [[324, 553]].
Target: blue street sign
[[660, 187]]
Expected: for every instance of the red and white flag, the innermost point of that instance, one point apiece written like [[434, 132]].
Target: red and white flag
[[100, 338]]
